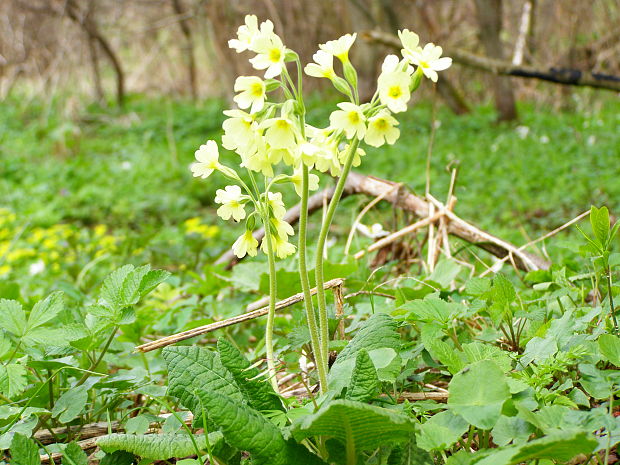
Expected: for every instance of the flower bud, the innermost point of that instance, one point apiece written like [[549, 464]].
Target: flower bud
[[341, 86], [349, 73], [416, 79], [290, 55], [250, 223], [271, 85]]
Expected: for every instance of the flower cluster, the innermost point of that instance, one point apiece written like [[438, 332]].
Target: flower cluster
[[272, 138]]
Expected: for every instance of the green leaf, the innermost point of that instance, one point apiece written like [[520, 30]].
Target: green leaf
[[45, 310], [445, 272], [441, 431], [69, 406], [599, 220], [502, 290], [158, 446], [360, 427], [12, 317], [249, 431], [130, 289], [409, 454], [378, 332], [257, 390], [192, 368], [364, 381], [151, 280], [12, 379], [5, 344], [137, 425], [559, 447], [509, 429], [478, 394], [74, 455], [112, 287], [476, 351], [445, 353], [24, 451], [432, 309], [609, 345]]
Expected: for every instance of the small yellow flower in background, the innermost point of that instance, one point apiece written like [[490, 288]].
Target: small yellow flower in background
[[410, 41], [18, 254], [339, 47], [252, 93], [323, 67], [281, 133], [282, 247], [207, 156], [296, 179], [381, 129], [428, 59], [195, 226], [4, 270], [245, 244], [270, 54], [100, 230], [350, 119], [232, 201], [276, 204]]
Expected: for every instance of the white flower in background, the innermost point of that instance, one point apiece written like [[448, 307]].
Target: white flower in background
[[375, 231], [410, 41], [126, 165], [339, 47], [270, 55], [245, 244], [36, 268], [247, 32], [252, 93], [232, 201], [323, 67], [350, 119], [544, 139], [296, 179], [207, 157], [428, 59], [282, 247], [382, 129], [281, 133], [276, 204], [393, 87], [522, 131]]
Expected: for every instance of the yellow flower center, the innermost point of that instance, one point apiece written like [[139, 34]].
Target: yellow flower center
[[395, 92], [381, 124], [275, 54], [282, 124], [424, 64], [256, 90], [354, 117]]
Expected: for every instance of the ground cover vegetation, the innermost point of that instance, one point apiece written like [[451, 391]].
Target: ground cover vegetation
[[434, 364]]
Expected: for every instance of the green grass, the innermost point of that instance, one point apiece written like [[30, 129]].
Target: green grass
[[130, 169]]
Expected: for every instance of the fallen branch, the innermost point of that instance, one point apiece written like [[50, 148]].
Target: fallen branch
[[570, 77], [375, 187], [169, 340]]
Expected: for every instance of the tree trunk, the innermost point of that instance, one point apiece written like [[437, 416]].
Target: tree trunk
[[490, 24], [188, 49]]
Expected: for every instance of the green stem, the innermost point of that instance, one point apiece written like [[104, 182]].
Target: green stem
[[272, 305], [318, 269], [305, 282], [93, 367], [611, 302]]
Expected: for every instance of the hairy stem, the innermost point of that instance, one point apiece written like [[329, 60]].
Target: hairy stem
[[93, 367], [611, 302], [320, 280], [305, 282], [272, 306]]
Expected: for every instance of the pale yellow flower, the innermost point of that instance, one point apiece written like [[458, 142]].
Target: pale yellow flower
[[232, 201], [282, 228], [245, 244], [381, 129], [282, 248], [207, 157], [296, 179], [394, 90], [281, 133], [251, 93], [339, 47], [323, 67], [428, 59], [276, 204], [238, 129], [357, 157], [349, 119], [248, 32], [410, 41], [270, 54]]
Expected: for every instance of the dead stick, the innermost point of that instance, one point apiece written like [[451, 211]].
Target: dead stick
[[169, 340], [339, 303]]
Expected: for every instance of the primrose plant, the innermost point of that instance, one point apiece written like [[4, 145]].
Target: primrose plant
[[276, 146]]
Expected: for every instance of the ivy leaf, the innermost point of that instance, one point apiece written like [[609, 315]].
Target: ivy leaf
[[12, 379], [257, 391], [70, 404], [193, 368], [360, 427], [45, 310], [24, 451], [249, 431], [159, 446], [13, 317], [478, 394], [364, 381], [609, 345], [74, 455]]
